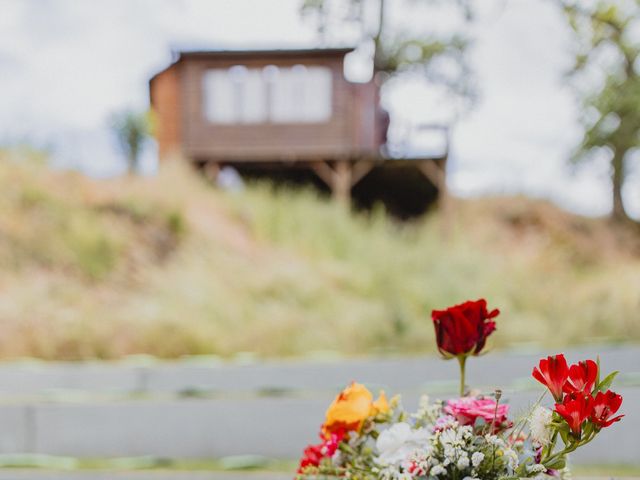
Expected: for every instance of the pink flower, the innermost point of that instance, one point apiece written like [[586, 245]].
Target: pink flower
[[467, 410]]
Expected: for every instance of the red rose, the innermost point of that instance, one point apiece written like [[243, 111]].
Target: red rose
[[604, 406], [552, 372], [575, 410], [463, 329], [582, 377]]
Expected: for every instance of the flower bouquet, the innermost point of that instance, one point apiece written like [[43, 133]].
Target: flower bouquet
[[469, 437]]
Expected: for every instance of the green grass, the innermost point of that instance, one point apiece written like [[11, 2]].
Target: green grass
[[380, 279], [169, 266]]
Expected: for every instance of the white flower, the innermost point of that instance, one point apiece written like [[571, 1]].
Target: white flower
[[539, 423], [463, 462], [438, 470], [537, 468], [512, 458], [453, 437], [494, 440], [427, 412], [387, 473], [477, 458], [395, 444]]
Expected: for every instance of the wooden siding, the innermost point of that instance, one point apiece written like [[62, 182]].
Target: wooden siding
[[177, 97], [340, 137], [165, 103], [364, 117]]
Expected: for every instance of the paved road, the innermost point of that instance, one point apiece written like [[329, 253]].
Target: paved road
[[201, 410]]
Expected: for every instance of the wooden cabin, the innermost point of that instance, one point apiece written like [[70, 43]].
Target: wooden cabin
[[290, 115]]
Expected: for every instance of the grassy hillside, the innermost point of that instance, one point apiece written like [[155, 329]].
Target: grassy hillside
[[169, 266]]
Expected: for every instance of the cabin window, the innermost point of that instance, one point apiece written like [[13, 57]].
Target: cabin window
[[298, 94]]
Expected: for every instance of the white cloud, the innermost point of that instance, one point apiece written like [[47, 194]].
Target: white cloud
[[67, 64]]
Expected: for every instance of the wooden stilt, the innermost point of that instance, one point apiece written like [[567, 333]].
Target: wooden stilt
[[342, 182], [324, 172], [436, 173], [360, 169], [338, 178], [445, 204]]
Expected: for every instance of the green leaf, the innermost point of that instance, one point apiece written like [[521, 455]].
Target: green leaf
[[521, 471], [557, 463], [606, 383]]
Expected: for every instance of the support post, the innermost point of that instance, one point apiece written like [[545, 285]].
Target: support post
[[342, 182], [446, 207], [360, 170], [436, 173], [324, 172], [341, 177]]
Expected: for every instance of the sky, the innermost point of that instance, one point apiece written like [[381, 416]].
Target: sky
[[67, 65]]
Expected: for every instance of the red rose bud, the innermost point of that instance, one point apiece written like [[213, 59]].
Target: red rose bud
[[552, 372], [604, 406], [582, 377], [314, 454], [463, 329], [575, 411], [310, 458]]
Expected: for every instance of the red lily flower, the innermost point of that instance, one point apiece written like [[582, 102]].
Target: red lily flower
[[582, 377], [463, 329], [604, 406], [552, 372], [575, 410]]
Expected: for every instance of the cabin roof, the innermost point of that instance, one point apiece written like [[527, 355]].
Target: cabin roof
[[292, 52], [181, 55]]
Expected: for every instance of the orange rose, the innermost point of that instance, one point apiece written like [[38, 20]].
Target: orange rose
[[351, 407]]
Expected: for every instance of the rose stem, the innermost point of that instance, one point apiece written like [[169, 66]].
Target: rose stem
[[462, 360]]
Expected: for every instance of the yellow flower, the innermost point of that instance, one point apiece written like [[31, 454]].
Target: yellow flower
[[351, 407]]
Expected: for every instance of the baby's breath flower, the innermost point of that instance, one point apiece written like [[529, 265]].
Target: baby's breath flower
[[463, 462], [477, 458], [539, 423], [537, 468], [438, 470]]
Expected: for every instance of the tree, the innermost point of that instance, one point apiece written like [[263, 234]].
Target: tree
[[606, 63], [132, 129], [395, 48]]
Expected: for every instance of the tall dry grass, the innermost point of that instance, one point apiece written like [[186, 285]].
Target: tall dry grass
[[169, 266]]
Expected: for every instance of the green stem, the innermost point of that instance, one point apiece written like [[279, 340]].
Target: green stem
[[571, 448], [517, 429], [462, 360]]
